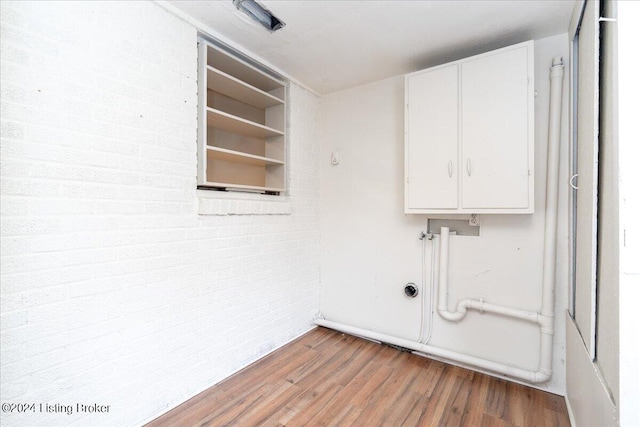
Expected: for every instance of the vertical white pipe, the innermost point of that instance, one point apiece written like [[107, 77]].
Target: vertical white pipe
[[551, 219], [444, 270], [553, 167]]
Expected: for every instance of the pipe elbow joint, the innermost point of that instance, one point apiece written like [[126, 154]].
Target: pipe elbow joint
[[541, 376], [463, 306], [454, 316]]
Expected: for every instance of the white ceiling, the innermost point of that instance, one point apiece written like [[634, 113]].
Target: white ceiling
[[335, 44]]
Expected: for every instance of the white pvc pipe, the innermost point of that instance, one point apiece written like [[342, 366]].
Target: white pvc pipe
[[546, 328], [546, 316], [443, 293], [468, 303], [506, 370], [553, 167], [547, 312]]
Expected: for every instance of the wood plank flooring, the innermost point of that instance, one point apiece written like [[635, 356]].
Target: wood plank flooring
[[326, 378]]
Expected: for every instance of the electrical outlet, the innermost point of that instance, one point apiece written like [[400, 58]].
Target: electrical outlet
[[474, 220]]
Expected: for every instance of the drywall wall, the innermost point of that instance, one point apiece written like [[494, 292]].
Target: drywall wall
[[114, 290], [370, 248]]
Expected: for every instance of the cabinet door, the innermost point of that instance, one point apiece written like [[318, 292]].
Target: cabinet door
[[432, 139], [495, 133]]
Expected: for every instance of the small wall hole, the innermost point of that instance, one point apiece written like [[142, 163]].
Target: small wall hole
[[411, 290]]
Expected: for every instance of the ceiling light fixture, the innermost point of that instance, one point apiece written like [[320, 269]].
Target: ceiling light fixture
[[260, 14]]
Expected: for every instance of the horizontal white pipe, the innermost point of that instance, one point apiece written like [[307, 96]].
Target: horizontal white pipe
[[468, 303], [498, 368], [485, 307]]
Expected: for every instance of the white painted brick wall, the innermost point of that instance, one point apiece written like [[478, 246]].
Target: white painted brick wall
[[113, 289]]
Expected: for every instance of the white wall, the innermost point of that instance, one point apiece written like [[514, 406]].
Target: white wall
[[114, 290], [370, 248], [629, 89]]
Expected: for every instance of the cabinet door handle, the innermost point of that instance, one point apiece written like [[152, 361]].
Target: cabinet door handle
[[450, 168], [469, 167]]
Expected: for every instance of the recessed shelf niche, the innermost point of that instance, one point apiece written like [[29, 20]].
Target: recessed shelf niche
[[242, 125]]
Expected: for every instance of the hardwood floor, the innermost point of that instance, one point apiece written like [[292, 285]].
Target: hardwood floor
[[326, 378]]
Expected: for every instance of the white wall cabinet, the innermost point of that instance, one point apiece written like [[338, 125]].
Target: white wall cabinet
[[469, 135], [241, 125]]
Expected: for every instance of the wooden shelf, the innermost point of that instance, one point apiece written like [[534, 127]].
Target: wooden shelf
[[241, 124], [223, 154], [230, 123], [243, 187], [237, 89], [243, 71]]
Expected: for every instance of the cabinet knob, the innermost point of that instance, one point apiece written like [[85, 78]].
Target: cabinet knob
[[469, 167], [450, 167]]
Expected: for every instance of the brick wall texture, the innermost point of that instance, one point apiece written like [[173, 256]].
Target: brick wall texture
[[114, 289]]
